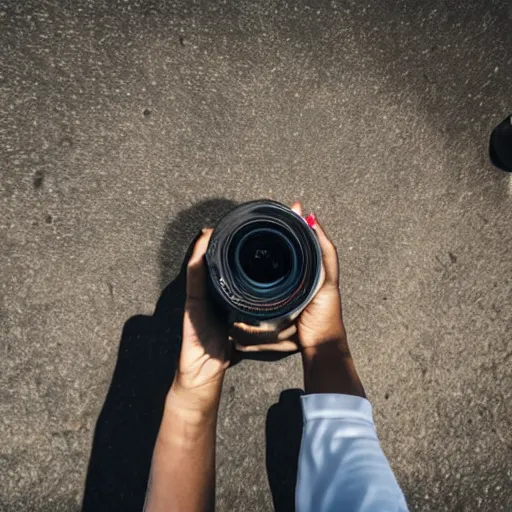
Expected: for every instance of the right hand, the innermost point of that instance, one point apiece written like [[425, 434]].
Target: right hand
[[320, 323]]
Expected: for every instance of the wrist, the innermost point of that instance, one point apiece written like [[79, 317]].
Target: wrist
[[329, 368], [189, 416], [334, 346], [194, 403]]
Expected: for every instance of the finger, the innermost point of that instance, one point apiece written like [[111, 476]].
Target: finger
[[261, 329], [252, 329], [297, 208], [282, 346], [196, 269], [329, 255], [251, 335], [246, 334], [287, 333]]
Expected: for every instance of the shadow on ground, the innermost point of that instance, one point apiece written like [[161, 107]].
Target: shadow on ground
[[283, 435], [128, 423]]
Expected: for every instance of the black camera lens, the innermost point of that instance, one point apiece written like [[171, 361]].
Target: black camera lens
[[264, 263], [265, 257]]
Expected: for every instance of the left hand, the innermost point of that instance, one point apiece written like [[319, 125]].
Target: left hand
[[205, 350]]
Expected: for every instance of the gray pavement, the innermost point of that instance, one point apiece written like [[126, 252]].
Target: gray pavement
[[124, 126]]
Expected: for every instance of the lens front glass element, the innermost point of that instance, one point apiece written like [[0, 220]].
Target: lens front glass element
[[265, 256]]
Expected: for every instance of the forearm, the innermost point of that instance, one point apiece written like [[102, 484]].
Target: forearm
[[329, 368], [183, 467]]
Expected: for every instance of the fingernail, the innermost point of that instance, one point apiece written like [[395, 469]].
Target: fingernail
[[311, 220]]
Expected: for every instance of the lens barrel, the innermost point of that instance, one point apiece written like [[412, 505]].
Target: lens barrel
[[264, 264]]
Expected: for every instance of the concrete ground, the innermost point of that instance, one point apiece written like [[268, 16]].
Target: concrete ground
[[127, 125]]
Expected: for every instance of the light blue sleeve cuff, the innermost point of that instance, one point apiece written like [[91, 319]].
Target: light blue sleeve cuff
[[333, 405]]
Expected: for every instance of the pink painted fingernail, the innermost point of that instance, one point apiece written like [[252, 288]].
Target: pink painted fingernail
[[311, 220]]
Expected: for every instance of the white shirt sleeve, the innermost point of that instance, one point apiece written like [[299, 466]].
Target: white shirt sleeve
[[341, 464]]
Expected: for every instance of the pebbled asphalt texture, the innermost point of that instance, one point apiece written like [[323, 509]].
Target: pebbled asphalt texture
[[125, 126]]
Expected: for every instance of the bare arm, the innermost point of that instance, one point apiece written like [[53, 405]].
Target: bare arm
[[183, 467], [329, 368]]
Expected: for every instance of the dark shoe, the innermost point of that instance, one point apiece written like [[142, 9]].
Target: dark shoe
[[500, 149]]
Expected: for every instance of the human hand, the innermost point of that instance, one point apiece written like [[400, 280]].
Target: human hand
[[320, 323], [205, 350], [326, 359]]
